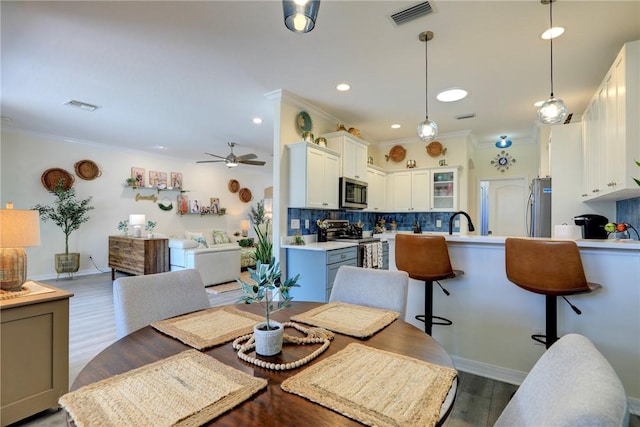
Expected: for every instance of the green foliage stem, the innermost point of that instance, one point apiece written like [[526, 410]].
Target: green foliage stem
[[67, 212]]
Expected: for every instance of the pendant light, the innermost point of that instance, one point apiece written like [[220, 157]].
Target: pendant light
[[553, 109], [427, 130], [504, 142], [300, 15]]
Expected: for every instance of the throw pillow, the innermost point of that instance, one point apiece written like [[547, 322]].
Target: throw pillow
[[202, 243], [220, 236]]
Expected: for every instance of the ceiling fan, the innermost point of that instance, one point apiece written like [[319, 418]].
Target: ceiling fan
[[232, 160]]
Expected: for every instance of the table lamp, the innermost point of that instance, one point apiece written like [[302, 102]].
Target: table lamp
[[18, 228], [137, 221], [244, 226]]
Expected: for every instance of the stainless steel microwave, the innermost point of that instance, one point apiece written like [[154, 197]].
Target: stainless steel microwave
[[353, 194]]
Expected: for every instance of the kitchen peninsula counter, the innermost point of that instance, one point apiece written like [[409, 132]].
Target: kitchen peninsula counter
[[321, 246], [493, 318]]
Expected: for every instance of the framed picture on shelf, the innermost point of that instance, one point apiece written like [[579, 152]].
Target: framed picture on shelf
[[183, 204], [214, 205], [176, 180], [194, 206], [158, 179], [138, 175]]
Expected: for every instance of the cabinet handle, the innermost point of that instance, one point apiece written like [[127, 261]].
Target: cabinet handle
[[585, 195], [595, 191]]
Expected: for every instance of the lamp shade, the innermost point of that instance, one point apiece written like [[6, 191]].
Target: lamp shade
[[504, 142], [552, 111], [244, 226], [300, 15], [137, 219], [19, 228]]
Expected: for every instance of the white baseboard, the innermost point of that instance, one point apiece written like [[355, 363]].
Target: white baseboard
[[511, 376], [63, 276]]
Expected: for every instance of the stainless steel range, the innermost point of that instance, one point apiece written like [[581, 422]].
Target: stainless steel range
[[340, 230]]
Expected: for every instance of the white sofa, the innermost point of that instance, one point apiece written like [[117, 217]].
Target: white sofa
[[217, 263]]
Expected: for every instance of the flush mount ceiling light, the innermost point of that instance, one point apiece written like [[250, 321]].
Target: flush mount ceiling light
[[300, 15], [343, 87], [428, 129], [451, 95], [553, 109], [257, 120], [504, 142]]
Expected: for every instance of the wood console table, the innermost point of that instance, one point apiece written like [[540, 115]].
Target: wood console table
[[138, 256], [34, 353]]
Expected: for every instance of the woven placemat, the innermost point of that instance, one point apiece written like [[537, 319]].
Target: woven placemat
[[376, 387], [348, 319], [208, 328], [187, 389]]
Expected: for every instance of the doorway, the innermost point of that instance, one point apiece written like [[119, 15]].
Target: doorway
[[503, 207]]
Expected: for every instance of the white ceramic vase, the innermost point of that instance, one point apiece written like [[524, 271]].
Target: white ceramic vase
[[268, 343]]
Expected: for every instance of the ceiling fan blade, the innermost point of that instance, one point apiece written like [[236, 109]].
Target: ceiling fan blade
[[209, 161], [252, 162], [247, 157], [215, 155]]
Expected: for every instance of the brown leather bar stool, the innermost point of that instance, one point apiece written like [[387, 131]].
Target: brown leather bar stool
[[552, 268], [426, 258]]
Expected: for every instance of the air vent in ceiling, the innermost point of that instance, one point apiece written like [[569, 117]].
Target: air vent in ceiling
[[411, 13], [81, 105], [465, 116]]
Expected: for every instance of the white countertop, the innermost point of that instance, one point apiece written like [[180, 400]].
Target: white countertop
[[499, 240], [321, 246]]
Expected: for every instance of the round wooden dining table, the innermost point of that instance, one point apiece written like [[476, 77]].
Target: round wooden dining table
[[272, 406]]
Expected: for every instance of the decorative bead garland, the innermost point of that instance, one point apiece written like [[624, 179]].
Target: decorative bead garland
[[314, 336]]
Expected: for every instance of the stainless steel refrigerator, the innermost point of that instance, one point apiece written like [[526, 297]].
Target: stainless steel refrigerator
[[539, 208]]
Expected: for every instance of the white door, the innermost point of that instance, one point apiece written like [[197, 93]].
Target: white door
[[507, 207]]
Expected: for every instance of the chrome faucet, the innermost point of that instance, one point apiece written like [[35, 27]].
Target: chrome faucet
[[455, 214]]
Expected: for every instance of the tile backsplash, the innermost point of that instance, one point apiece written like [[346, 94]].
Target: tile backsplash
[[629, 211], [404, 221]]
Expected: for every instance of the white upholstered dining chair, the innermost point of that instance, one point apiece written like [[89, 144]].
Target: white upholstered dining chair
[[141, 300], [374, 288]]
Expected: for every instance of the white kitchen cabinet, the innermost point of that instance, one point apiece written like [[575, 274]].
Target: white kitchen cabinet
[[611, 131], [353, 154], [444, 190], [411, 190], [377, 189], [313, 176]]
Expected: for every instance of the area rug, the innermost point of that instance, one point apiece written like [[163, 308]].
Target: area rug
[[187, 389], [230, 286], [208, 328], [348, 319], [376, 387]]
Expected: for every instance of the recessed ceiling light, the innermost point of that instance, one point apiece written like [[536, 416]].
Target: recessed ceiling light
[[160, 147], [395, 126], [552, 33], [343, 87], [451, 95], [538, 103], [257, 120]]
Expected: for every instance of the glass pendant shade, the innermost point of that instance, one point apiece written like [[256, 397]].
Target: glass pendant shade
[[552, 111], [300, 15], [504, 142], [427, 130]]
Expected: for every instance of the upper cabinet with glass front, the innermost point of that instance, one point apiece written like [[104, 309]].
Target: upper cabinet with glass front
[[444, 190], [353, 153]]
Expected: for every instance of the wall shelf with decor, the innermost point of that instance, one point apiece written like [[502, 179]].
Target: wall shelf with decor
[[223, 211], [135, 187]]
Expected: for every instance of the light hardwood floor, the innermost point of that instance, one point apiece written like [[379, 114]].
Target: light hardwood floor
[[479, 401]]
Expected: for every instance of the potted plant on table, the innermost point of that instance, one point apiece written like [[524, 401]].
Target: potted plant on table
[[268, 290], [149, 228], [68, 213]]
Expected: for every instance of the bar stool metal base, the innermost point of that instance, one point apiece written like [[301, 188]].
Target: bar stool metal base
[[551, 324], [428, 310]]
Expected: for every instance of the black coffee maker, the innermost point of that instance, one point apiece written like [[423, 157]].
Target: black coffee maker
[[592, 226]]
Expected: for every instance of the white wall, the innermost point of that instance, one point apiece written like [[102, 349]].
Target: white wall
[[25, 157]]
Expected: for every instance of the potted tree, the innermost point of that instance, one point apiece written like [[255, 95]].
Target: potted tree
[[68, 213], [268, 290]]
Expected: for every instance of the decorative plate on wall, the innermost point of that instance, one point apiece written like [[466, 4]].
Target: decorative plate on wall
[[303, 120], [50, 179], [434, 149], [245, 195], [397, 153], [234, 186], [87, 170]]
